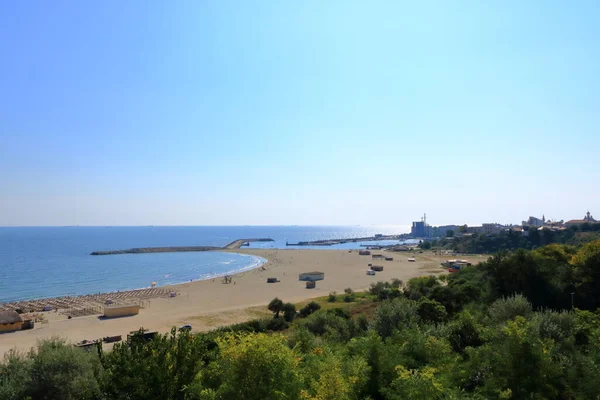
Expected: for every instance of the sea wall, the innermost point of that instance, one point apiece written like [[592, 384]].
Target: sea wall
[[236, 244]]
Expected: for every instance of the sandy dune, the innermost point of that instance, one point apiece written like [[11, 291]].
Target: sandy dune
[[207, 304]]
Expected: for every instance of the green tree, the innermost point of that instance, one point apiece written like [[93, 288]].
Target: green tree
[[516, 362], [289, 312], [450, 233], [421, 287], [334, 324], [310, 308], [156, 369], [331, 376], [464, 331], [431, 311], [416, 384], [250, 367], [393, 315], [62, 371], [15, 376], [372, 349], [425, 245], [508, 308], [530, 274], [275, 306], [586, 264]]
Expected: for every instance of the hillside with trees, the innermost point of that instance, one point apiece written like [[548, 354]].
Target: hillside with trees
[[511, 240], [522, 325]]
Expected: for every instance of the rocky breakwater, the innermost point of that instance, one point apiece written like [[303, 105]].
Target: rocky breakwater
[[155, 250], [331, 242], [236, 244]]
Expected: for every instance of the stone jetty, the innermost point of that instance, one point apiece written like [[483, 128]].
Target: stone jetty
[[236, 244]]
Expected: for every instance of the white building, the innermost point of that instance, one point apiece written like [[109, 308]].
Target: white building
[[492, 229], [312, 276]]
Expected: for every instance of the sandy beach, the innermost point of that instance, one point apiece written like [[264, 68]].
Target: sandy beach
[[212, 303]]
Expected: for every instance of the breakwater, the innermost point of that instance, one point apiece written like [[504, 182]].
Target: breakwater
[[331, 242], [236, 244]]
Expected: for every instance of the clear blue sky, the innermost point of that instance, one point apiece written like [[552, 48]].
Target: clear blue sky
[[298, 112]]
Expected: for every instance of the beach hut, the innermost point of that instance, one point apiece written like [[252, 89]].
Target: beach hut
[[10, 321], [411, 260], [370, 272], [153, 284], [121, 310], [456, 265], [364, 252], [378, 268], [389, 258], [312, 276], [272, 280], [311, 284], [377, 256]]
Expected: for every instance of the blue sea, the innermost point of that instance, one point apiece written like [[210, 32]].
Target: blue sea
[[38, 262]]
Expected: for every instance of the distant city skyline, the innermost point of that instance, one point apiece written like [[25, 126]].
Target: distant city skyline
[[404, 228], [307, 113]]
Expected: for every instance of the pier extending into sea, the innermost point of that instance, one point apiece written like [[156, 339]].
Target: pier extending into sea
[[331, 242], [236, 244]]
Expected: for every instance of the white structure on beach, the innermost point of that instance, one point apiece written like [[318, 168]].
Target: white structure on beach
[[312, 276]]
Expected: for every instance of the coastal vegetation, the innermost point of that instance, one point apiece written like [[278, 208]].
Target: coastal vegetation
[[513, 240], [522, 325]]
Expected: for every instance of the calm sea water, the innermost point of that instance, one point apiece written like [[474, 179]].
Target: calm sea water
[[55, 261]]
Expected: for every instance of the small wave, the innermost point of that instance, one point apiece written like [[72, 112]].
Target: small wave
[[256, 262]]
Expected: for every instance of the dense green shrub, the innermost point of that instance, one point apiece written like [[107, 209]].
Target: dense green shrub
[[309, 309], [289, 312], [509, 308], [332, 298], [51, 370], [397, 314], [277, 324], [349, 295], [431, 311], [249, 367], [334, 324]]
